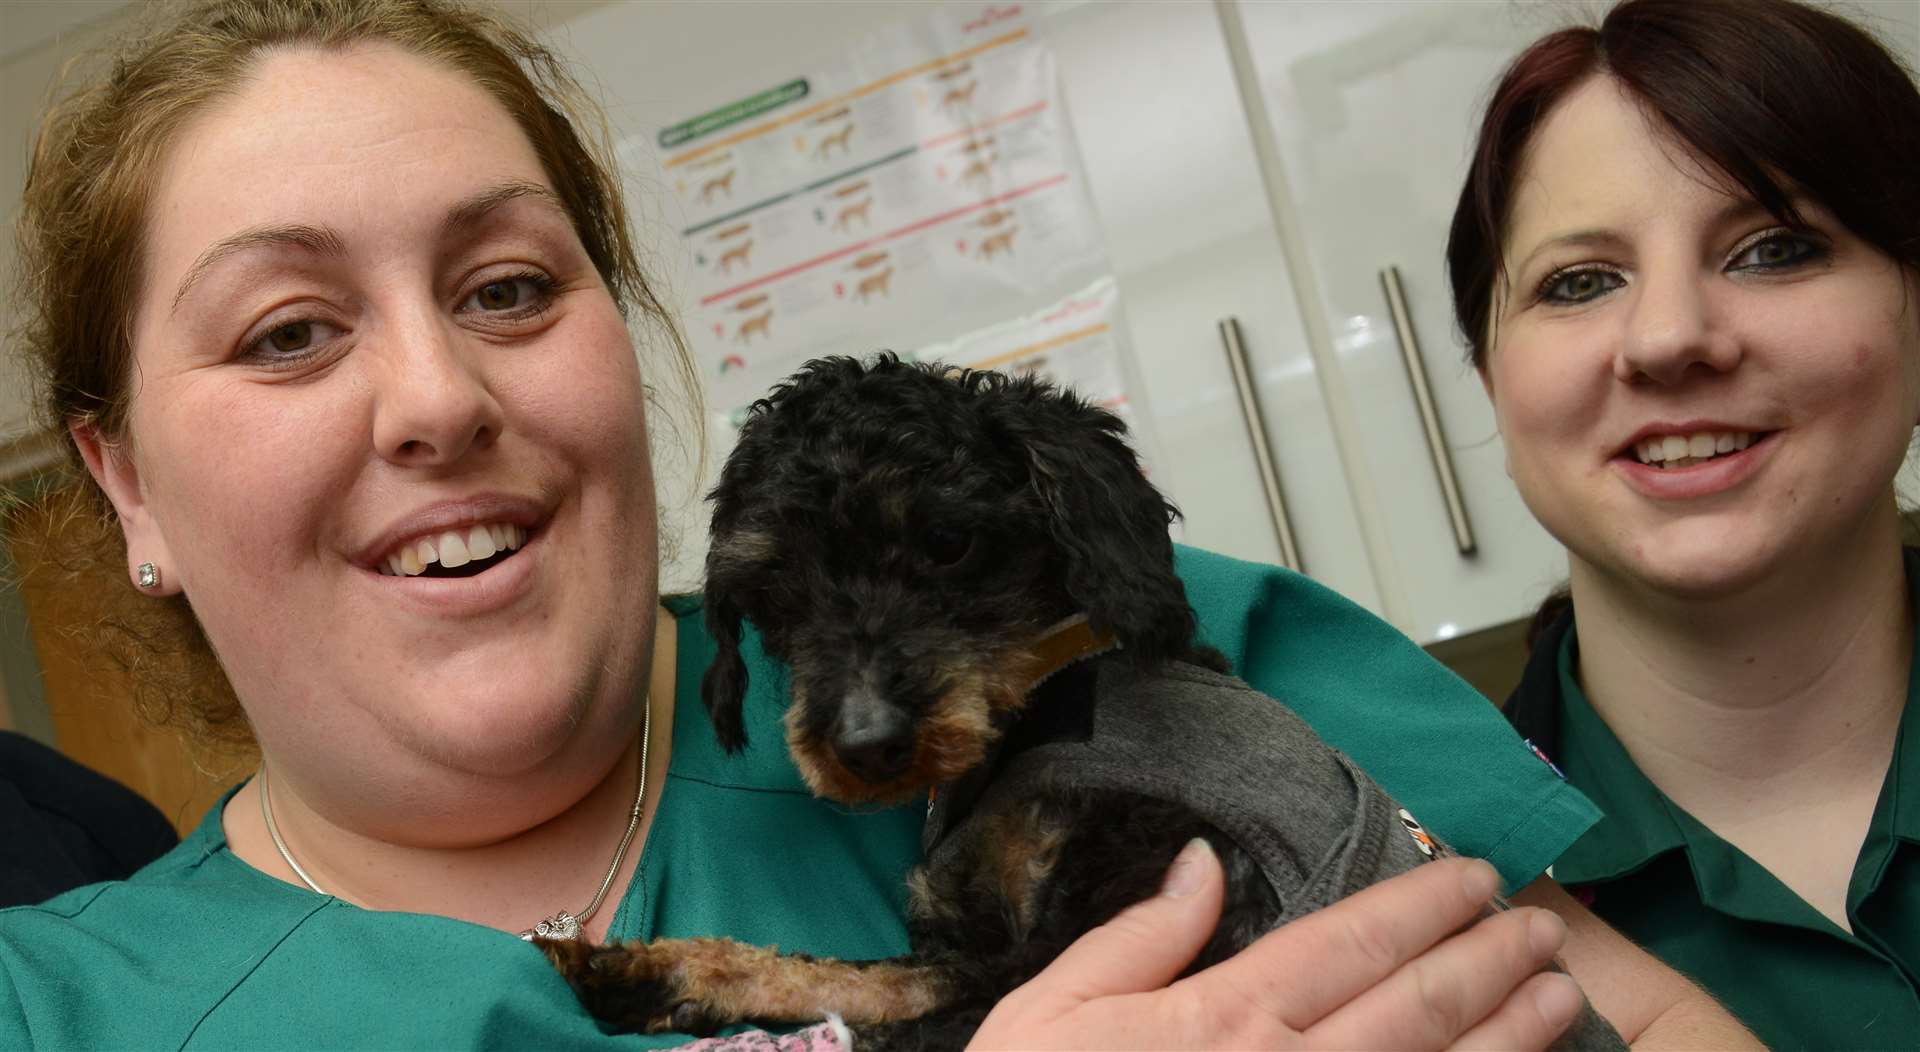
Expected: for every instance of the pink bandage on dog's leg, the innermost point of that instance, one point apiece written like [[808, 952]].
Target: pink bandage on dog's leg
[[831, 1036]]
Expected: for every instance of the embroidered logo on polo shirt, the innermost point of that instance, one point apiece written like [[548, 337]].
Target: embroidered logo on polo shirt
[[1418, 832], [1537, 751]]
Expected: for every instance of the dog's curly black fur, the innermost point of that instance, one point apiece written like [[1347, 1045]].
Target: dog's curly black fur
[[901, 534]]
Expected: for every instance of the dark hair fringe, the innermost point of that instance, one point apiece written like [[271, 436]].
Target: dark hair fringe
[[1779, 97]]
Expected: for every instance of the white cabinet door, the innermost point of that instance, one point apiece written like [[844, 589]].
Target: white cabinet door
[[1176, 182], [1374, 110]]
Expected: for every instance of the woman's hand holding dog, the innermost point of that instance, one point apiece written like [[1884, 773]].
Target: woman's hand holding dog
[[1389, 967]]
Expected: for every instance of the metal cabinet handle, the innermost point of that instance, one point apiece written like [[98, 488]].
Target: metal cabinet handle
[[1429, 415], [1258, 436]]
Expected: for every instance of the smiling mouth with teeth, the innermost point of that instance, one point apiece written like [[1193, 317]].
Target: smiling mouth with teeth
[[1667, 452], [456, 553]]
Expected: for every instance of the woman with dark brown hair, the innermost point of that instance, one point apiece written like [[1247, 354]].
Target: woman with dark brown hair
[[1687, 259]]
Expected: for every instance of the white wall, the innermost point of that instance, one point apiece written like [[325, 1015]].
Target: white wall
[[39, 37]]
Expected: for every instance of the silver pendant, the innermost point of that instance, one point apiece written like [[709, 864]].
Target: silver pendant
[[562, 925]]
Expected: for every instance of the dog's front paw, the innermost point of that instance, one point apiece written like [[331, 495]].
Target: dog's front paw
[[633, 985], [697, 1018]]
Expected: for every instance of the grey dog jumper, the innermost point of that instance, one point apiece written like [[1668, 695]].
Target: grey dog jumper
[[1315, 824]]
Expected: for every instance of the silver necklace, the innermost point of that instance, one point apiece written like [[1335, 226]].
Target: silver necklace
[[562, 925]]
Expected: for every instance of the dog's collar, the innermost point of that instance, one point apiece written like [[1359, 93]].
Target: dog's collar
[[1065, 644], [1060, 647]]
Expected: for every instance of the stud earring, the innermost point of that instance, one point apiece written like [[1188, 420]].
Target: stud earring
[[149, 576]]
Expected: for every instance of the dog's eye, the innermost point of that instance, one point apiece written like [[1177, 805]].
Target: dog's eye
[[947, 546]]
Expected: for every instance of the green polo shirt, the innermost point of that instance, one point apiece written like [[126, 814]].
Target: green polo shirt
[[202, 951], [1791, 975]]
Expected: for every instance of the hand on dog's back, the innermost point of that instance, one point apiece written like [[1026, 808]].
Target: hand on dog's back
[[1323, 981]]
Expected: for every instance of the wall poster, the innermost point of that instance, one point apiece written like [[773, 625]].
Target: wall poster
[[928, 174]]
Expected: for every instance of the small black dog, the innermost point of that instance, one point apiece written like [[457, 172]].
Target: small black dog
[[972, 584]]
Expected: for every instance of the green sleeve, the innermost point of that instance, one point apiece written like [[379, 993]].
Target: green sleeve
[[13, 1018], [1428, 738], [224, 960]]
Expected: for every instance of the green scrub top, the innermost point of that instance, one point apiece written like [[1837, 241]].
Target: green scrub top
[[200, 950], [1702, 905]]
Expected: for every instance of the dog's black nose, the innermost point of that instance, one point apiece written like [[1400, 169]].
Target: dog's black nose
[[875, 742]]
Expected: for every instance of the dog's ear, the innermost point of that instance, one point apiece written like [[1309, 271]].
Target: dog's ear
[[1109, 522], [724, 687]]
